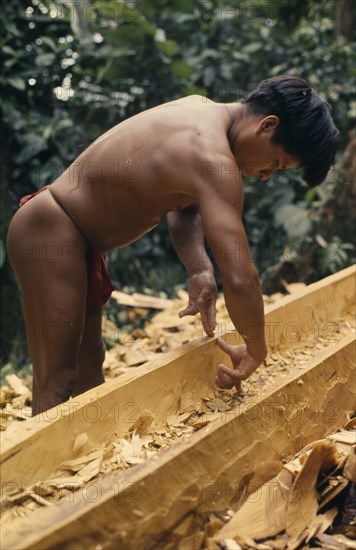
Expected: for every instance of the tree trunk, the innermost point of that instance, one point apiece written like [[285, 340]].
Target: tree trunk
[[344, 20]]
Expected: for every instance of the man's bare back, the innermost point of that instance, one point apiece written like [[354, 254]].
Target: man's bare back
[[124, 184]]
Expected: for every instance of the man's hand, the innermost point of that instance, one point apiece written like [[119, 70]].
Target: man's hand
[[242, 362], [202, 297]]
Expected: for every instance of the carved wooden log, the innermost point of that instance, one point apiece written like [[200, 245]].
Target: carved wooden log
[[132, 509]]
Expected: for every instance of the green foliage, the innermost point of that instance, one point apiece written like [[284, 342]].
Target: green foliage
[[72, 70]]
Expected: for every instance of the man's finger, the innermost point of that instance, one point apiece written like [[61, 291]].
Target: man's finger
[[189, 310], [227, 348], [224, 384], [224, 381], [208, 318], [209, 329], [235, 375]]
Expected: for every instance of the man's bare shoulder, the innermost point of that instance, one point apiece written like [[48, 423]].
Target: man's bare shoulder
[[197, 142], [183, 132], [196, 126]]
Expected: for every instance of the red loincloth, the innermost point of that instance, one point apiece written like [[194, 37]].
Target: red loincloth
[[99, 284]]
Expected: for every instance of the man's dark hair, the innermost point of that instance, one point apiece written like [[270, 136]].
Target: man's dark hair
[[306, 129]]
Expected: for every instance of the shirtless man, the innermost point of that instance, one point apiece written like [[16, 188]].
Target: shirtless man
[[183, 160]]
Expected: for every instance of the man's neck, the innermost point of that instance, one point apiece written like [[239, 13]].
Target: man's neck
[[237, 115]]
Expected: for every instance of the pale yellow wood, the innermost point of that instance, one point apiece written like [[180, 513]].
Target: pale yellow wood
[[313, 311], [160, 388], [140, 300], [131, 510]]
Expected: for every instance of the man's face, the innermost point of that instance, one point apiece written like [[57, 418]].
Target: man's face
[[263, 162], [256, 154]]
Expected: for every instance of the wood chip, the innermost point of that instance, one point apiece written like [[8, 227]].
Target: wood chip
[[350, 424], [91, 469], [77, 464], [302, 506], [16, 384], [350, 466], [80, 442], [344, 436], [144, 423], [6, 395], [141, 300], [320, 524], [293, 287], [257, 518], [213, 526], [332, 493], [336, 542], [229, 544]]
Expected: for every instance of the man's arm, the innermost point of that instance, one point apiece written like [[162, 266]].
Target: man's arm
[[187, 237], [220, 202]]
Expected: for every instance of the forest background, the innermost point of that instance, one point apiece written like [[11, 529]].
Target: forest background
[[74, 68]]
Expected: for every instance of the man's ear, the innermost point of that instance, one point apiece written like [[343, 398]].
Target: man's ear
[[267, 124]]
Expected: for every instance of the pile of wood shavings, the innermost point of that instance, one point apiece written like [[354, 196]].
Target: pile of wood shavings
[[299, 508], [15, 401]]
